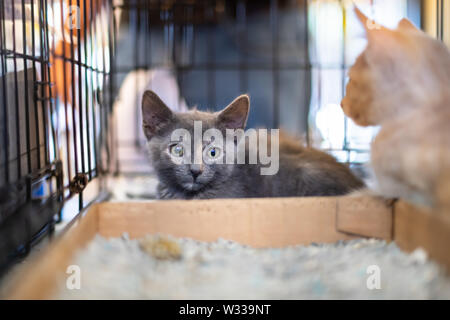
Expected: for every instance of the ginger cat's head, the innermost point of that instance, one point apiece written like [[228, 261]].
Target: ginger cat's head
[[399, 70]]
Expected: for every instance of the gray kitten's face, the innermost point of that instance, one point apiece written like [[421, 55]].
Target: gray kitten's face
[[189, 163], [174, 160]]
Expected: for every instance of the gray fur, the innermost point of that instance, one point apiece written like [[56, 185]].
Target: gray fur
[[302, 171]]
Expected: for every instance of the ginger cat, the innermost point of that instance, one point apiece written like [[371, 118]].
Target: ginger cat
[[401, 82]]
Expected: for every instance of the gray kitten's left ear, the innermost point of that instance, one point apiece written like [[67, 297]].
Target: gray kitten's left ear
[[235, 115]]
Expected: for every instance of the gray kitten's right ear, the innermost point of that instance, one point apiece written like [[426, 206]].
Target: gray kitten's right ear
[[235, 115], [155, 114]]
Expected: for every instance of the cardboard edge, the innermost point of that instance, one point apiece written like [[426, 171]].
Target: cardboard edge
[[274, 222], [51, 264], [365, 216], [416, 227]]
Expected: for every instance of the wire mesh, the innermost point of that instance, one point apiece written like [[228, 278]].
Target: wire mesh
[[54, 115], [210, 52]]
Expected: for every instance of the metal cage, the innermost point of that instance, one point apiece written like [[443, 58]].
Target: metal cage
[[65, 64], [54, 117]]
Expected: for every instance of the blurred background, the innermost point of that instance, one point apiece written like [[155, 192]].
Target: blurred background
[[72, 74], [292, 57]]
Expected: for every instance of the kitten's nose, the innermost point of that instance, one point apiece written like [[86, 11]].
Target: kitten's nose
[[196, 170]]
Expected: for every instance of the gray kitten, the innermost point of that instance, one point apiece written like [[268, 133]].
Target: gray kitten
[[302, 171]]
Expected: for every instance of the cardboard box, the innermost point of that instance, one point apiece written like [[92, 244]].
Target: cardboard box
[[270, 222]]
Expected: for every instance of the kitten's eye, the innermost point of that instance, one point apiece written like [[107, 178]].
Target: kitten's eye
[[214, 152], [177, 150]]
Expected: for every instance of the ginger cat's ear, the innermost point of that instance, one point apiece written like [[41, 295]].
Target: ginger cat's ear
[[362, 17], [405, 24], [368, 24], [381, 40]]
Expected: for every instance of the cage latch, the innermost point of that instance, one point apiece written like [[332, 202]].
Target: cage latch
[[78, 183]]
